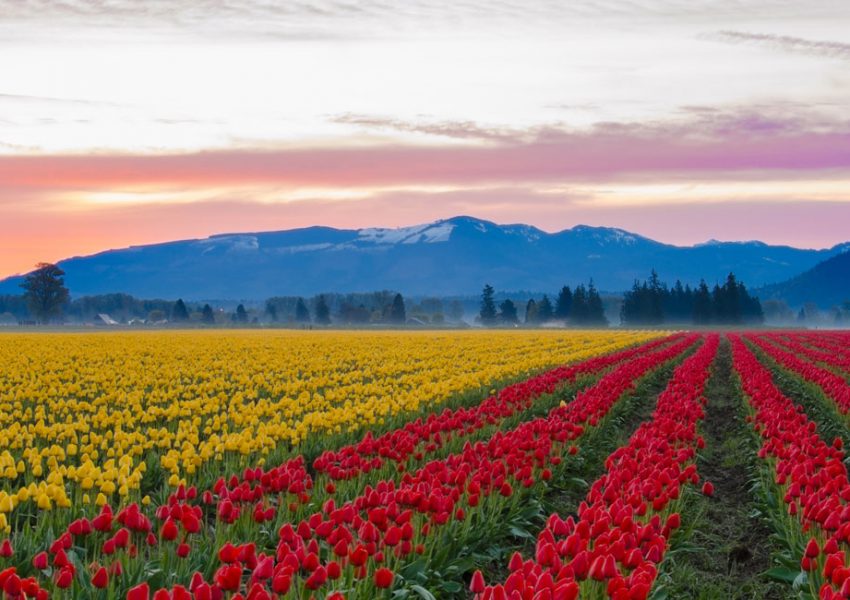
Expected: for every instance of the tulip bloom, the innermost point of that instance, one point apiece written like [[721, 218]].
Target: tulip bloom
[[100, 579], [383, 578]]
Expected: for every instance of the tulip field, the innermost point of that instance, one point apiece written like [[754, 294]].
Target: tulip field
[[503, 465]]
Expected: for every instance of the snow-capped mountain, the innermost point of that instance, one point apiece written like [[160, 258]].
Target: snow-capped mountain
[[451, 256]]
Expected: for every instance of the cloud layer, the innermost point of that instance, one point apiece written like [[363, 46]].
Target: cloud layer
[[712, 144], [787, 43]]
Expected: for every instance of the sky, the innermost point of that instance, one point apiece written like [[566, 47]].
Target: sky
[[126, 122]]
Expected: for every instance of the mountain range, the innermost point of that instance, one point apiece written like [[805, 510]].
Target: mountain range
[[827, 284], [454, 256]]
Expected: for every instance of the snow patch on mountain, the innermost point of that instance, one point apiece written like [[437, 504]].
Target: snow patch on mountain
[[430, 233], [231, 243], [607, 235], [532, 234], [303, 248]]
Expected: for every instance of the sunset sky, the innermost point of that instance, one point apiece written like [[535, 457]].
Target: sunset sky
[[126, 122]]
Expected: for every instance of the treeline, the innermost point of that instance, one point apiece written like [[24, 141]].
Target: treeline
[[121, 307], [651, 302], [384, 307], [324, 309], [582, 306]]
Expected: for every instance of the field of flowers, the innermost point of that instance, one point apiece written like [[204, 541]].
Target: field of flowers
[[515, 465]]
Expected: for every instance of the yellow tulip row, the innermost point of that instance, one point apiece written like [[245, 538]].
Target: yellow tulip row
[[83, 416]]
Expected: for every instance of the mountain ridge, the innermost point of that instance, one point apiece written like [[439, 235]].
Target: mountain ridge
[[444, 257], [827, 284]]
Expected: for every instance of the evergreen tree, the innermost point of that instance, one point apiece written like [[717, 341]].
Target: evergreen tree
[[718, 304], [579, 309], [488, 306], [702, 304], [630, 312], [801, 316], [397, 312], [564, 303], [655, 299], [302, 313], [241, 314], [595, 308], [544, 309], [207, 315], [644, 304], [678, 303], [45, 292], [508, 312], [531, 312], [323, 313], [751, 309], [179, 313], [271, 311], [731, 299]]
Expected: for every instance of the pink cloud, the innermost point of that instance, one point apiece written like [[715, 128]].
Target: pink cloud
[[713, 146]]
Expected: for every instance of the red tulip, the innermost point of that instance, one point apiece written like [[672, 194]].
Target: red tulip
[[383, 578], [140, 592], [65, 578], [100, 579], [358, 556], [674, 521], [203, 592], [281, 583], [229, 577], [228, 553], [169, 530], [477, 586], [317, 578], [122, 538], [812, 548], [103, 522]]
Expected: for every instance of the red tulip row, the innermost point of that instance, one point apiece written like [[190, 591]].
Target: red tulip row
[[623, 525], [423, 436], [836, 342], [832, 355], [350, 548], [807, 473], [834, 386]]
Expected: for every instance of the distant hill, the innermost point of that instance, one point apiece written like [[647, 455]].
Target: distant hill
[[827, 284], [447, 257]]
